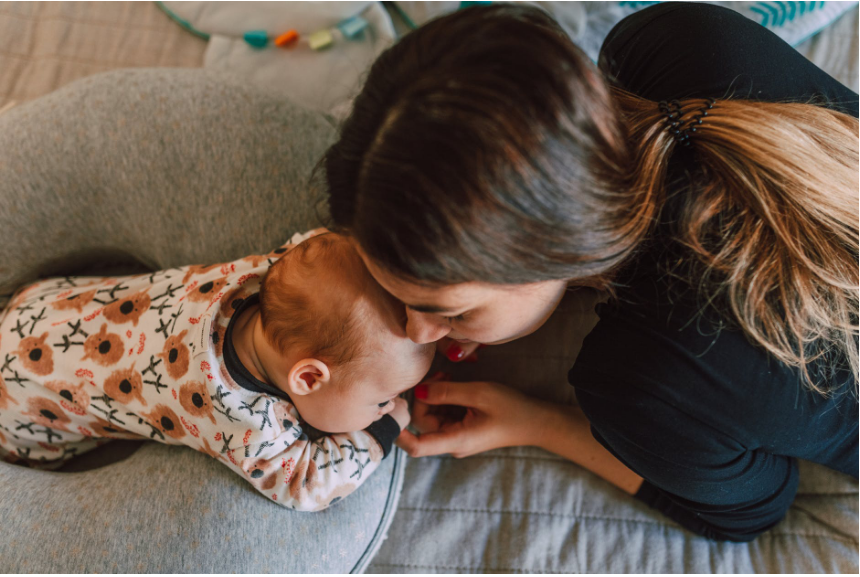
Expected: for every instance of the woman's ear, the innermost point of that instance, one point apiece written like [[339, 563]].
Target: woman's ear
[[308, 376]]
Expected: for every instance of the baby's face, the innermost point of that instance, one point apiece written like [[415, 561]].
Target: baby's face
[[365, 389]]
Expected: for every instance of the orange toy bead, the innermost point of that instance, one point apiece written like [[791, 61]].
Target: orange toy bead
[[286, 38]]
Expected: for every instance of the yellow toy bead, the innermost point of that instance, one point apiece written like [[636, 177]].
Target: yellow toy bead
[[320, 40]]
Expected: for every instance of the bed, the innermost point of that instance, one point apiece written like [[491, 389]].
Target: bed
[[512, 510]]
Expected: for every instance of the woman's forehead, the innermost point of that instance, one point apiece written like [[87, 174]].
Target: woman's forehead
[[431, 298]]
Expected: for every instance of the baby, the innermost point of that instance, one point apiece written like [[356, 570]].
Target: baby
[[285, 367]]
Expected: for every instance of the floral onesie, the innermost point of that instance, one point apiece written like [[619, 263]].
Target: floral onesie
[[85, 359]]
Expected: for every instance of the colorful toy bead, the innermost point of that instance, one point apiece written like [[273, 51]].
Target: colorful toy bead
[[256, 38], [353, 27], [286, 38], [320, 39]]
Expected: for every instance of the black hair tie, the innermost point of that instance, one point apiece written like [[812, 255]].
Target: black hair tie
[[672, 111]]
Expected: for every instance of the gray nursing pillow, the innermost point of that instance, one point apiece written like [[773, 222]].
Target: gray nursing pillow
[[152, 168]]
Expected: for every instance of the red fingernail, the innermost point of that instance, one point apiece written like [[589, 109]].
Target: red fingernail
[[421, 391], [455, 353]]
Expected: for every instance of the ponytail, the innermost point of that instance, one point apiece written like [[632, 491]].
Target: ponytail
[[771, 219]]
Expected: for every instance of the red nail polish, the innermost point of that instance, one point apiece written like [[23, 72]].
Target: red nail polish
[[455, 353], [421, 391]]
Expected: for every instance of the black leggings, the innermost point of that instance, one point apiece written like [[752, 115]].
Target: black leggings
[[694, 50]]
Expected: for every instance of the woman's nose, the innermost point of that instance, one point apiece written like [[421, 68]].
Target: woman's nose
[[422, 328]]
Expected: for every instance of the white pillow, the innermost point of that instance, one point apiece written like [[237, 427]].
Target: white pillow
[[318, 80]]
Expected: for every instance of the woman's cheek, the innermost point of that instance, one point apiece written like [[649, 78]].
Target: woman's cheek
[[483, 332]]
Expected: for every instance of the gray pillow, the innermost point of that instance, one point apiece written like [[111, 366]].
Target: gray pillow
[[168, 509], [164, 167]]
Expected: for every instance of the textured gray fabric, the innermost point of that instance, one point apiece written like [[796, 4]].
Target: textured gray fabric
[[171, 166], [169, 509], [524, 510], [165, 167]]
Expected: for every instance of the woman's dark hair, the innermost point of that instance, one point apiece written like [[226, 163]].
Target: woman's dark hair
[[484, 147]]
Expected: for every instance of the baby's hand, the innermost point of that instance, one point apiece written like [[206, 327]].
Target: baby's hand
[[400, 412]]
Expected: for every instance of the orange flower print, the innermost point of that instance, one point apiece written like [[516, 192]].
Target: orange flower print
[[165, 420], [194, 398], [47, 413], [128, 308], [175, 355], [125, 385], [36, 355], [103, 347]]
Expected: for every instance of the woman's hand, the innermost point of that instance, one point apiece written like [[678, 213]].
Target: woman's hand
[[456, 351], [485, 416], [468, 418]]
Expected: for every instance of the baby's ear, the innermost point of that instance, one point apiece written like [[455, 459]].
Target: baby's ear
[[308, 376]]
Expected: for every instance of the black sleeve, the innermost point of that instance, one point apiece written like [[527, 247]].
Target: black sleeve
[[710, 422], [695, 474], [385, 431], [677, 408], [762, 515], [698, 50]]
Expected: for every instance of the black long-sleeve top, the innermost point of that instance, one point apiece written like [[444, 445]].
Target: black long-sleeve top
[[713, 423]]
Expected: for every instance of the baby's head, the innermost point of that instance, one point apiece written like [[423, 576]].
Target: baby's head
[[336, 341]]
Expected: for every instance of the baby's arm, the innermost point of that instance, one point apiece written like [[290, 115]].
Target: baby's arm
[[310, 475]]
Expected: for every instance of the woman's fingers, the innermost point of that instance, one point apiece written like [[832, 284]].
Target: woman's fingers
[[471, 418], [452, 393], [427, 444], [424, 420], [456, 351]]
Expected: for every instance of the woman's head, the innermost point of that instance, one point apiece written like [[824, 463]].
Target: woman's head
[[486, 164], [472, 311], [484, 148]]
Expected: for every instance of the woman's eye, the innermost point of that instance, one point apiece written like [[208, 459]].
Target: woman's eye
[[458, 318], [383, 404]]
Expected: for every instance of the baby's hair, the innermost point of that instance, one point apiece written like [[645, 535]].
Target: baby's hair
[[306, 305]]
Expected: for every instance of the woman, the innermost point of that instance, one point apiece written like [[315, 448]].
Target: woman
[[487, 166]]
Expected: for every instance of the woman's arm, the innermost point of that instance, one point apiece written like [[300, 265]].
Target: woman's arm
[[498, 416], [734, 500], [565, 431]]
